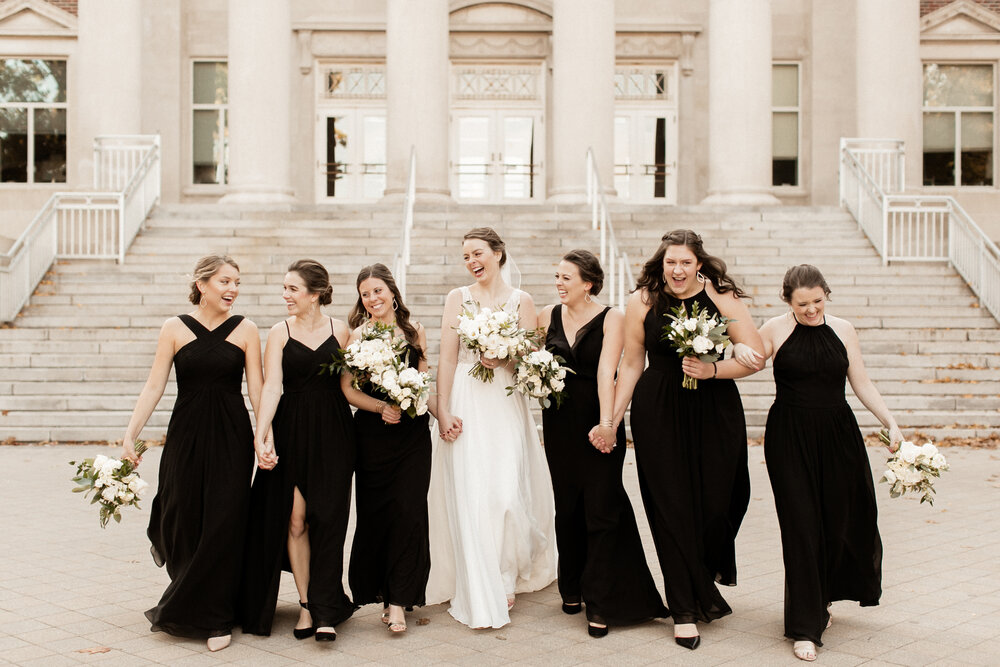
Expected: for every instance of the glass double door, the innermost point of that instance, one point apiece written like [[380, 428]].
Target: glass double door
[[351, 155], [646, 156], [497, 156]]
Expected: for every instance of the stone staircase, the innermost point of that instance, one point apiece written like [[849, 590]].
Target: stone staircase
[[77, 357]]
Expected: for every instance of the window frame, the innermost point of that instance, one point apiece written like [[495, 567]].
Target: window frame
[[797, 110], [223, 110], [957, 111], [30, 108]]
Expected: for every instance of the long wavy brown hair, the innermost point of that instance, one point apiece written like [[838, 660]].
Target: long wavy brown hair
[[359, 315], [713, 268]]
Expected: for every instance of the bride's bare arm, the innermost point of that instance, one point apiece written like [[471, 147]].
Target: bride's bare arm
[[448, 360]]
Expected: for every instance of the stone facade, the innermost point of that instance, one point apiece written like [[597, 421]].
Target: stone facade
[[320, 101]]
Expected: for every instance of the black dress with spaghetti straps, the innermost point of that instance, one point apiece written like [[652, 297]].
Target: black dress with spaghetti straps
[[391, 558], [198, 518], [691, 453], [601, 560], [822, 481], [315, 443]]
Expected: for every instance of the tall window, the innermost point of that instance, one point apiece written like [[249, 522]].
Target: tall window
[[958, 124], [785, 124], [210, 149], [32, 121]]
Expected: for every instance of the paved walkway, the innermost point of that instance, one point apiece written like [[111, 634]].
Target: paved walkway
[[67, 587]]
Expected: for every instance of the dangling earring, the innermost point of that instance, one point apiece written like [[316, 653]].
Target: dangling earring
[[587, 297], [700, 277], [395, 305]]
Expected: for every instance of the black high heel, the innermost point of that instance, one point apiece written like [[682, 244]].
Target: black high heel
[[690, 643], [326, 635], [572, 607], [303, 633], [596, 630]]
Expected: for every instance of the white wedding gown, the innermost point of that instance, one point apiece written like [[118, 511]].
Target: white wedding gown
[[492, 530]]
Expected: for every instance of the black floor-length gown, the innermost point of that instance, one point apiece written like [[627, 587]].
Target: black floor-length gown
[[198, 518], [390, 558], [315, 443], [691, 452], [601, 559], [822, 481]]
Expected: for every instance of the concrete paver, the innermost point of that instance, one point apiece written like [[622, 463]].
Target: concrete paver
[[67, 586]]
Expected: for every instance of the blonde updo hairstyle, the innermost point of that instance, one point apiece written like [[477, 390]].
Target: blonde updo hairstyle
[[207, 267], [316, 278]]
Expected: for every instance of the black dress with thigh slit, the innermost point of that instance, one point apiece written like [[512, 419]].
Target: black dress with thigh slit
[[390, 558], [822, 481], [691, 452], [315, 442], [198, 519], [601, 559]]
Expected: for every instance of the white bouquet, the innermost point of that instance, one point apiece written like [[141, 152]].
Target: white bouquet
[[405, 387], [696, 335], [115, 482], [913, 468], [493, 333], [540, 374], [380, 359]]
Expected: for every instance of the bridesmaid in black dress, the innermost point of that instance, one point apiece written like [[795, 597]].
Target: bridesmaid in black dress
[[390, 558], [198, 518], [302, 491], [816, 459], [690, 444], [601, 561]]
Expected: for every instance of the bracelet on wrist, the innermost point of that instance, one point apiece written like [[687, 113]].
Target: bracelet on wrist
[[380, 407], [715, 369], [607, 422]]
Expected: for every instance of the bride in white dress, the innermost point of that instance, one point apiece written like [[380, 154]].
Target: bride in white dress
[[492, 528]]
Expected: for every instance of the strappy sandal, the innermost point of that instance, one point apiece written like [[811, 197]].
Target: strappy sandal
[[804, 650], [396, 627]]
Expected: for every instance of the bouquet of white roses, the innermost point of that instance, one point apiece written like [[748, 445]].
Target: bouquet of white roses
[[913, 468], [493, 333], [405, 387], [380, 359], [697, 334], [540, 374], [115, 482]]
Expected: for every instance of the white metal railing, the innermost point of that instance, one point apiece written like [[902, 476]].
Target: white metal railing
[[402, 259], [615, 261], [93, 225], [921, 228]]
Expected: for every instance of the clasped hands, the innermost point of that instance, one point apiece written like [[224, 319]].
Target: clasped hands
[[602, 437], [266, 457]]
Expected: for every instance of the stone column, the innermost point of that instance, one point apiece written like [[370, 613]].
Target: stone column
[[260, 69], [890, 77], [583, 96], [739, 103], [108, 77], [417, 70]]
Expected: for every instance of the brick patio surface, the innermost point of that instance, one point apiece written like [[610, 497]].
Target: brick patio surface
[[67, 586]]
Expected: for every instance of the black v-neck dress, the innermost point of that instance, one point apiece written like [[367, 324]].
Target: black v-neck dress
[[198, 519], [691, 452], [315, 443], [390, 556], [601, 559]]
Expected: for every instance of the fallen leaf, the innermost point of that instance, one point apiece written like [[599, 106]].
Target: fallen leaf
[[423, 620]]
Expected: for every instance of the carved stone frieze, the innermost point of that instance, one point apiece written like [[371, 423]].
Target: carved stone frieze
[[499, 45], [647, 45]]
